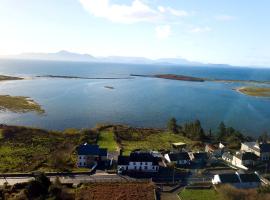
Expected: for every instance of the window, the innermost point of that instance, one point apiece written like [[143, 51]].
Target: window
[[134, 163], [141, 163], [146, 163], [80, 164], [135, 167], [153, 167], [145, 167]]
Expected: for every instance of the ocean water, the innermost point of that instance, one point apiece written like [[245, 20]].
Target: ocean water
[[141, 102]]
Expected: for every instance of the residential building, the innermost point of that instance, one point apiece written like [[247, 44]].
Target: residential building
[[215, 149], [199, 157], [179, 158], [237, 180], [247, 159], [89, 155], [228, 157], [260, 149], [139, 161]]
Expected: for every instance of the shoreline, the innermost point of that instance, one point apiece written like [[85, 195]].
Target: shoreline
[[254, 91]]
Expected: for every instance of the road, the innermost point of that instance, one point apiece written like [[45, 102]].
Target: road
[[72, 179]]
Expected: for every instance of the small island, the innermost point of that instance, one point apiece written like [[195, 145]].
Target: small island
[[9, 78], [255, 91], [172, 77], [19, 104]]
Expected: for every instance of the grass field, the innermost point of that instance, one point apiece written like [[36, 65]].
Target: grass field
[[199, 194], [157, 141], [106, 139]]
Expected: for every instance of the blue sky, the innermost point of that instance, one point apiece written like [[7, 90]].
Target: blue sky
[[235, 32]]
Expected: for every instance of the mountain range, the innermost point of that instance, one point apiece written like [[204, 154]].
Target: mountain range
[[70, 56]]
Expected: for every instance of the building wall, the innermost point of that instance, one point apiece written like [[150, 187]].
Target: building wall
[[142, 166]]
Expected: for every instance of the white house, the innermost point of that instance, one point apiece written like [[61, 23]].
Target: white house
[[138, 161], [260, 149], [244, 159], [237, 180], [89, 155], [180, 158]]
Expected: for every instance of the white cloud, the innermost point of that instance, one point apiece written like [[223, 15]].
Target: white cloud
[[172, 11], [163, 32], [225, 17], [200, 29], [137, 11]]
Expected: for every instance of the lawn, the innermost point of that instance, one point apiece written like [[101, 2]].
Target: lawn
[[157, 141], [199, 194], [106, 139]]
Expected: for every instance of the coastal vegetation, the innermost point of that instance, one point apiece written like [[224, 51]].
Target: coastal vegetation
[[255, 91], [19, 104], [25, 149], [106, 139], [9, 78]]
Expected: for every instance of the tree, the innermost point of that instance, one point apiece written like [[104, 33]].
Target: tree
[[172, 125], [263, 138], [221, 131]]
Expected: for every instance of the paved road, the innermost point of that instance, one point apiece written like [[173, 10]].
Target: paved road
[[76, 179]]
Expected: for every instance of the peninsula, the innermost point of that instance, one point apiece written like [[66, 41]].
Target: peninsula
[[9, 78], [255, 91], [19, 104]]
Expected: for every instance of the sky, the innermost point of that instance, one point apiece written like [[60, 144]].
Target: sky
[[235, 32]]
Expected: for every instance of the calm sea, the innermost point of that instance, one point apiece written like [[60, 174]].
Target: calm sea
[[77, 103]]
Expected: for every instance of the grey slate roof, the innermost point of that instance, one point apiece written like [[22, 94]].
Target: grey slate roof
[[89, 149], [139, 156], [247, 156], [249, 178], [179, 156], [265, 147], [123, 160], [229, 178]]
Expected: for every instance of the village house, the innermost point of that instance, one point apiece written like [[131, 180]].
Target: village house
[[237, 180], [139, 161], [90, 155], [198, 157], [179, 158], [262, 150], [246, 159], [215, 149], [228, 157]]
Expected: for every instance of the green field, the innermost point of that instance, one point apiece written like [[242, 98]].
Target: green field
[[157, 141], [199, 194], [106, 139]]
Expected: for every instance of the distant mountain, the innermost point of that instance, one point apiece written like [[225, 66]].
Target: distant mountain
[[70, 56]]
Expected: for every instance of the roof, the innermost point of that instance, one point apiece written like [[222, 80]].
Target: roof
[[264, 147], [139, 156], [179, 156], [179, 144], [249, 178], [123, 160], [103, 152], [200, 155], [211, 147], [227, 155], [246, 156], [89, 149], [229, 178]]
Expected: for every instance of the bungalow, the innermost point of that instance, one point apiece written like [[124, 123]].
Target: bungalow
[[260, 149], [89, 155], [138, 161], [244, 159], [237, 180], [180, 158]]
